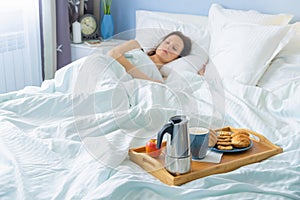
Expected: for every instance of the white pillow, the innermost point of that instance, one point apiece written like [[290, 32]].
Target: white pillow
[[152, 27], [192, 63], [219, 16], [244, 42], [285, 67], [245, 50], [149, 33], [196, 20]]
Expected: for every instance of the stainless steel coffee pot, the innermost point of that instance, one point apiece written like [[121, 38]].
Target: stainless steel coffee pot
[[177, 157]]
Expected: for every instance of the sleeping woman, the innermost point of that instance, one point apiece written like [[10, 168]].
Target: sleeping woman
[[173, 46]]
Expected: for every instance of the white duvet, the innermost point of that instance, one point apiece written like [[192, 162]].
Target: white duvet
[[68, 139]]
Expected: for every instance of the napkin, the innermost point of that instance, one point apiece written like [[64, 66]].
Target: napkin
[[211, 156]]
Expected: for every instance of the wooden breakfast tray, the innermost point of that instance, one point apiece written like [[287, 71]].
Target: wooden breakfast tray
[[261, 149]]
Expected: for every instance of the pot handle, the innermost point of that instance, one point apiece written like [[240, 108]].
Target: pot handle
[[167, 128]]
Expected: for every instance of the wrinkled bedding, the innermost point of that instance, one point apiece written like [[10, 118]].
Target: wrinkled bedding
[[69, 138]]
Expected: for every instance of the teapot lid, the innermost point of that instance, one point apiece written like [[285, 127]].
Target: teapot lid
[[178, 119]]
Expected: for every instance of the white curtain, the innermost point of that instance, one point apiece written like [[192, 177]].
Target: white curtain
[[20, 55], [49, 37]]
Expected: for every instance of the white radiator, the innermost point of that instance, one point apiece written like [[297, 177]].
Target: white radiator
[[20, 60], [15, 63], [11, 62]]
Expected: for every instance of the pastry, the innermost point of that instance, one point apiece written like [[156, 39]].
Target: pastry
[[212, 139], [240, 133], [240, 141]]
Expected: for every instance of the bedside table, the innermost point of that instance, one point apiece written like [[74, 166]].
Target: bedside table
[[83, 49]]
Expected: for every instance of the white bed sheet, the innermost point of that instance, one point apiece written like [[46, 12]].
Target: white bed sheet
[[61, 141]]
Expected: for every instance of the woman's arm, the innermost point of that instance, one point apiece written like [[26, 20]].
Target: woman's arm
[[118, 54], [119, 50]]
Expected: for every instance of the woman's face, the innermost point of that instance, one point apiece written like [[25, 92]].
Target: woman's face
[[169, 49]]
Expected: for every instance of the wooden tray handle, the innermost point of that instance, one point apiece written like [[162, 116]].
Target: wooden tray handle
[[149, 163]]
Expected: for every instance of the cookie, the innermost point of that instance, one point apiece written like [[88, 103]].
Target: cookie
[[223, 143], [223, 133], [225, 139], [221, 147]]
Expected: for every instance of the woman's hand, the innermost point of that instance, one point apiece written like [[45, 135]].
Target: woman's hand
[[201, 72]]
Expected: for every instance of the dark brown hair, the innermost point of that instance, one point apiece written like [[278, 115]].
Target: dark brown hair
[[187, 44]]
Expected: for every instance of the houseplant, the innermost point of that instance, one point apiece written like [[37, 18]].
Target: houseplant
[[106, 6], [107, 25]]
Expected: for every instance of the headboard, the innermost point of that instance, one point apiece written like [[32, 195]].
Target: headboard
[[124, 10]]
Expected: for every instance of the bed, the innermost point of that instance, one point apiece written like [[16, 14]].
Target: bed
[[69, 138]]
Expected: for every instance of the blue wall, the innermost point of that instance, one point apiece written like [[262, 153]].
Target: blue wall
[[124, 10]]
